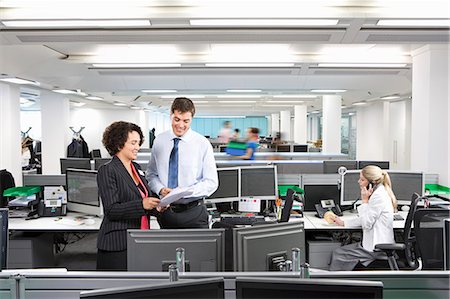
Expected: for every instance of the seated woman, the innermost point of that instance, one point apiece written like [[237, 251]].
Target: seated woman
[[375, 217]]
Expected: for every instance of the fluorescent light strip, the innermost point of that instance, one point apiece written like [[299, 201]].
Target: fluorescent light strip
[[268, 105], [285, 102], [135, 107], [77, 23], [65, 91], [363, 65], [240, 96], [158, 90], [390, 97], [263, 22], [295, 96], [194, 96], [237, 102], [243, 90], [359, 103], [94, 98], [249, 64], [20, 81], [415, 23], [136, 65], [200, 102], [119, 104], [328, 90]]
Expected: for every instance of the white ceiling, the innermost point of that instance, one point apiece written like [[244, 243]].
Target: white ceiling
[[63, 57]]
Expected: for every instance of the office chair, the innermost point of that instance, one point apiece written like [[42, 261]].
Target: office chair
[[429, 228], [408, 240]]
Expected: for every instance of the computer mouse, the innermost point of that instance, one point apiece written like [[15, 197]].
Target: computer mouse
[[89, 221]]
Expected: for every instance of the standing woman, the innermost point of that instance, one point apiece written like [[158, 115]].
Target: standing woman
[[376, 217], [124, 193]]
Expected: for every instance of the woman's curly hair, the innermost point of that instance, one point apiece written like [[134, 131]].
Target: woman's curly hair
[[116, 134]]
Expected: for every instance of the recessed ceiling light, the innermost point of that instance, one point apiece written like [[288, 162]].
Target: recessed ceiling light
[[328, 90], [236, 102], [295, 96], [77, 23], [94, 98], [120, 104], [263, 22], [193, 96], [135, 107], [19, 81], [240, 96], [393, 97], [249, 65], [286, 102], [243, 90], [135, 65], [201, 102], [415, 23], [359, 103], [77, 104], [269, 105], [64, 91], [158, 90], [364, 65]]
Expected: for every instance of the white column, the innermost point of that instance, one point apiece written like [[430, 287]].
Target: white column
[[331, 122], [275, 124], [430, 129], [55, 110], [285, 125], [143, 123], [300, 124], [10, 145], [269, 125]]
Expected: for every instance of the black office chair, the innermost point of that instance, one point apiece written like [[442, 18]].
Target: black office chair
[[429, 230], [408, 244]]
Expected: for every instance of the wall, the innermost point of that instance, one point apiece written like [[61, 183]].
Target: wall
[[211, 126], [369, 132]]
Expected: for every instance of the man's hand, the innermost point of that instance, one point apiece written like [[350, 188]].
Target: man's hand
[[164, 191]]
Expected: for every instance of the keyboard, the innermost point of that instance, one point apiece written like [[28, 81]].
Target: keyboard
[[398, 217], [241, 220]]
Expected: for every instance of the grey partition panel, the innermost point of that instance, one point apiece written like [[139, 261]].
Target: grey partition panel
[[299, 167], [44, 180], [8, 287]]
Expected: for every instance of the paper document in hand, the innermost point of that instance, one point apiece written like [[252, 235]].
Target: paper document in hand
[[175, 195]]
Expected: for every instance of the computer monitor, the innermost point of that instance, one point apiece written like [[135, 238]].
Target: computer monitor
[[381, 164], [260, 248], [95, 153], [259, 182], [4, 238], [155, 250], [300, 148], [76, 163], [82, 192], [229, 187], [314, 193], [404, 184], [196, 288], [283, 148], [264, 288], [332, 166], [100, 161]]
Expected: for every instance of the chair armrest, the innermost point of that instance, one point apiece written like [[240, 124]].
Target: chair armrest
[[389, 247]]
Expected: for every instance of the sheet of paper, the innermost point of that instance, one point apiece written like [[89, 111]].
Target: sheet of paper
[[175, 195]]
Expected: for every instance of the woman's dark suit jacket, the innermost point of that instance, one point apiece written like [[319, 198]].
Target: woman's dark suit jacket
[[122, 204]]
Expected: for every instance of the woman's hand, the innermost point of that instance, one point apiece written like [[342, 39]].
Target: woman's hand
[[150, 203], [338, 221], [366, 193]]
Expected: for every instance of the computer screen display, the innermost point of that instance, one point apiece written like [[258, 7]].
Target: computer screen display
[[82, 192], [155, 250], [300, 148], [258, 248], [381, 164], [314, 193], [252, 287], [196, 288], [284, 148], [76, 163], [100, 161], [332, 166], [228, 189], [4, 237], [404, 184], [259, 182]]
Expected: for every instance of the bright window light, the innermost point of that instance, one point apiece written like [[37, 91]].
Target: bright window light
[[20, 81], [263, 22], [415, 23], [158, 90], [363, 65], [135, 65], [328, 90], [243, 90], [77, 23]]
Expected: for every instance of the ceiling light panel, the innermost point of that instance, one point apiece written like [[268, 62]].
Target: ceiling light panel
[[20, 81], [415, 23], [363, 65], [135, 65], [243, 90], [75, 23], [263, 22], [249, 65], [158, 90]]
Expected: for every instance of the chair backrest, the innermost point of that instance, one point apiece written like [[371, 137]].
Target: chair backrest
[[428, 228], [409, 218], [6, 182]]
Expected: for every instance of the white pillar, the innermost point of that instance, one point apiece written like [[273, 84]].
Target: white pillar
[[300, 124], [10, 145], [143, 123], [55, 110], [285, 125], [331, 136], [430, 129], [275, 124]]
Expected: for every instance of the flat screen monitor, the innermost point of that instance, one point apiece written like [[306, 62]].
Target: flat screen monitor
[[196, 288], [229, 187], [381, 164], [404, 184], [4, 238], [82, 192], [284, 148], [76, 163], [95, 153], [300, 148], [100, 161], [314, 193], [252, 287], [332, 166], [155, 250], [259, 182], [446, 244], [260, 248]]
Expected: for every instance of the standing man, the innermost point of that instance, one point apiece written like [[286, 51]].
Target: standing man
[[182, 157]]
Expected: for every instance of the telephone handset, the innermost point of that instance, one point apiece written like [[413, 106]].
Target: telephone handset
[[327, 205]]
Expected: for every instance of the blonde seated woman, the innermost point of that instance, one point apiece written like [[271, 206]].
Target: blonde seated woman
[[375, 217]]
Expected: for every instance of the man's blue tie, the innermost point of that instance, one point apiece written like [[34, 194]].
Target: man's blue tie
[[173, 165]]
